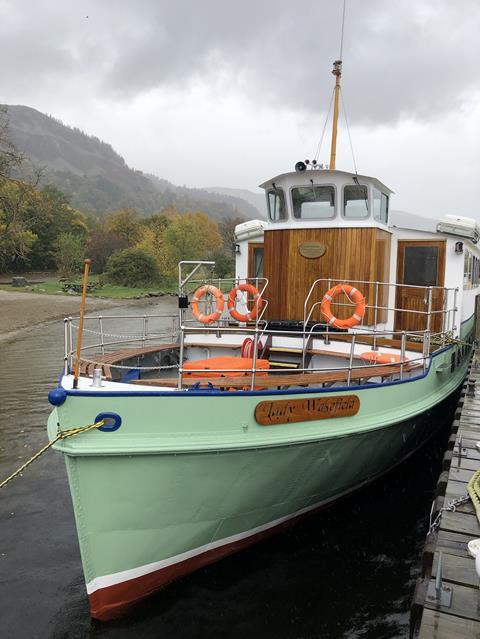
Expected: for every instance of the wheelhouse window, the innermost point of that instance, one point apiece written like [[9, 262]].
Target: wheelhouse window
[[276, 205], [380, 206], [355, 201], [313, 202]]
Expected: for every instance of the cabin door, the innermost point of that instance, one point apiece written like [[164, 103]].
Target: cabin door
[[419, 263]]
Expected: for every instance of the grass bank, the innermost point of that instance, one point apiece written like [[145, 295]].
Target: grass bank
[[107, 291]]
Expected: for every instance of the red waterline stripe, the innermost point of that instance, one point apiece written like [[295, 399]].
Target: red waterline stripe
[[115, 601]]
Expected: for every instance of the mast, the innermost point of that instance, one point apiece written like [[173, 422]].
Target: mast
[[337, 72]]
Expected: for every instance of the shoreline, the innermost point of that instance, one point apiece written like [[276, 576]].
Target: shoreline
[[20, 312]]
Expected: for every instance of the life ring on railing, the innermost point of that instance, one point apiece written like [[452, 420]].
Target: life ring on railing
[[257, 302], [220, 303], [354, 295], [374, 357]]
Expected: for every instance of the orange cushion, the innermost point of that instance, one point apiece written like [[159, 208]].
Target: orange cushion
[[240, 366]]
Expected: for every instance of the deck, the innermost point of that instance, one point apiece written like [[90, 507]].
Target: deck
[[452, 609]]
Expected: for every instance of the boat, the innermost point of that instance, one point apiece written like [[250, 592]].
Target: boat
[[314, 371]]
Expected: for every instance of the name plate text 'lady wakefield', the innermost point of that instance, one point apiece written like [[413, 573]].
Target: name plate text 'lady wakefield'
[[286, 411]]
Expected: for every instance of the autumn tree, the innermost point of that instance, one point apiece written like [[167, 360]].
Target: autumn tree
[[16, 236], [101, 245], [125, 224], [191, 236]]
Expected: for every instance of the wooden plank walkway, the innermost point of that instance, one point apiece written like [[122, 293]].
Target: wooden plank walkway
[[460, 618]]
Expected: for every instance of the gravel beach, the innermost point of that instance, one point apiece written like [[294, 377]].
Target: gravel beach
[[20, 311]]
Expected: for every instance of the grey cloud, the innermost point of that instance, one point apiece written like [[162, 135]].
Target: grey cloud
[[401, 58]]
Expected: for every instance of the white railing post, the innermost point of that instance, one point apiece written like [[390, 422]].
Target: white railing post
[[254, 358], [65, 343], [402, 353], [100, 326], [350, 362], [375, 319], [70, 335]]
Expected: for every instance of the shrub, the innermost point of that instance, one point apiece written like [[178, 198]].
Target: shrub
[[132, 267]]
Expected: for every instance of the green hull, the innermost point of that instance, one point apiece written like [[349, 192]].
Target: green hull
[[191, 477]]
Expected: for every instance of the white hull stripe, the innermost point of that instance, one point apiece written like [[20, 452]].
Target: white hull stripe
[[125, 575]]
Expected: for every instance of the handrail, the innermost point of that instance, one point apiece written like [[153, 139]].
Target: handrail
[[447, 313], [309, 339]]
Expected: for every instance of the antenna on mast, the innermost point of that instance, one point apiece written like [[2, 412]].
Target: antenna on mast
[[337, 72]]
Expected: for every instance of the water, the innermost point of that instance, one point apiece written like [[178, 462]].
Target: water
[[348, 572]]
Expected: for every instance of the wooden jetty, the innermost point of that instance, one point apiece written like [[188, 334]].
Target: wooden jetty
[[446, 603]]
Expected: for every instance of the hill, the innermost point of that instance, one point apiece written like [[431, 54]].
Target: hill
[[97, 178], [257, 200]]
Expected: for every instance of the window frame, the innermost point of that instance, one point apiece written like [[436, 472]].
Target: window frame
[[314, 219], [382, 195], [369, 201], [276, 189]]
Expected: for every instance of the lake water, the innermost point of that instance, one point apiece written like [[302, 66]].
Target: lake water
[[348, 572]]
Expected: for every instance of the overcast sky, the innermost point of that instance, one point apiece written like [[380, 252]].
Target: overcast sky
[[229, 93]]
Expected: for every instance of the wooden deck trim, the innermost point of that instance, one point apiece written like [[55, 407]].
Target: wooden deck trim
[[117, 356], [277, 381]]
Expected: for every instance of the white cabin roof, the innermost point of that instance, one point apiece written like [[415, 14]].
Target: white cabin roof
[[295, 178]]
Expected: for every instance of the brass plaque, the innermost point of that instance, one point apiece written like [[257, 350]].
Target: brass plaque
[[312, 250], [286, 411]]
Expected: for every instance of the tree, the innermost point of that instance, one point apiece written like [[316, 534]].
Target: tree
[[101, 245], [53, 216], [16, 236], [132, 267], [224, 263], [125, 224], [227, 231], [191, 236], [70, 254], [10, 157]]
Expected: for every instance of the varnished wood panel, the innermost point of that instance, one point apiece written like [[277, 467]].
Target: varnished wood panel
[[351, 254]]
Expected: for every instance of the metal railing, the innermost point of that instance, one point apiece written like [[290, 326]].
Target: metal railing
[[94, 326], [357, 340], [388, 290], [158, 328]]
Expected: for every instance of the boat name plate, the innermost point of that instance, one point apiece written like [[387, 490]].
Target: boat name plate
[[312, 250], [286, 411]]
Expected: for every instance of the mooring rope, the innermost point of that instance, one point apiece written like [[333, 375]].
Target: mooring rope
[[60, 435]]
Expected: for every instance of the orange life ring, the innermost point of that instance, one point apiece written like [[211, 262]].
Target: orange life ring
[[220, 303], [374, 357], [257, 302], [354, 295]]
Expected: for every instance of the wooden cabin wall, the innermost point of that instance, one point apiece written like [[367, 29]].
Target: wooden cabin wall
[[350, 254]]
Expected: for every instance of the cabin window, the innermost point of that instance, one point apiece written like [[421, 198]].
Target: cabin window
[[380, 206], [471, 270], [255, 260], [276, 205], [355, 201], [420, 265], [313, 202]]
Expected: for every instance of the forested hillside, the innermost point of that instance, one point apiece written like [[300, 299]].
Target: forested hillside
[[41, 229], [96, 178]]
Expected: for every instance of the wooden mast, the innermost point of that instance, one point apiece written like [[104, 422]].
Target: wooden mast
[[337, 72]]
